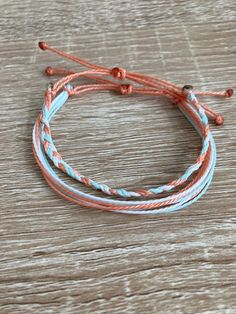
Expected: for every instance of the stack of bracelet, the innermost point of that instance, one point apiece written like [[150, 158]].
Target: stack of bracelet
[[179, 193]]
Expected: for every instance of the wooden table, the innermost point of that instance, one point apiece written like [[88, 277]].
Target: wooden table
[[59, 258]]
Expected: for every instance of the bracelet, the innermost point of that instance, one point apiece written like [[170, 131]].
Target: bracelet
[[192, 184]]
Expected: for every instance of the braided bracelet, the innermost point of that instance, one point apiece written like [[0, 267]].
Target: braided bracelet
[[189, 187]]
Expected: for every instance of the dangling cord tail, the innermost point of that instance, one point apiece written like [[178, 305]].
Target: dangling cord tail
[[184, 98]]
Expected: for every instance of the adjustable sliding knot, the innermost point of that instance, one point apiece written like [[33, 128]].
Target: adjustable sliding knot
[[118, 73], [188, 91], [126, 89], [187, 88]]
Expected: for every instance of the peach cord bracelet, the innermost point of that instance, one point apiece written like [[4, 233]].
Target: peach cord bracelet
[[179, 193]]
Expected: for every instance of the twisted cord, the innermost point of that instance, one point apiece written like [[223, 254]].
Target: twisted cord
[[184, 98]]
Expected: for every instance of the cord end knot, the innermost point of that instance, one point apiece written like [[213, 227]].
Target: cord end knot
[[43, 45], [49, 71], [229, 93], [219, 120]]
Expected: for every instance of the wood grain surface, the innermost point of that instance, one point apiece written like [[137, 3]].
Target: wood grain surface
[[59, 258]]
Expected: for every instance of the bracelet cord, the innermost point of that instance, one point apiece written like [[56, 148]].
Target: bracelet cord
[[186, 100]]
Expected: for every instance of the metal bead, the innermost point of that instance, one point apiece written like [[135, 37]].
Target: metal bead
[[187, 87]]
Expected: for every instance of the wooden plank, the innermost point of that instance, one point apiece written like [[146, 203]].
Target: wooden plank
[[60, 258]]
